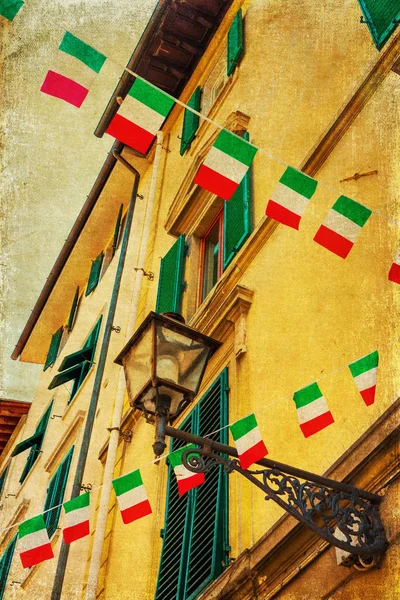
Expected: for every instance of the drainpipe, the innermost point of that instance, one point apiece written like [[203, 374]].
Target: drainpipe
[[76, 489], [95, 562]]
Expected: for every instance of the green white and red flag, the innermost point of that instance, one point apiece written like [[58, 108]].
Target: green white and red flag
[[248, 441], [394, 273], [186, 479], [132, 497], [312, 410], [10, 8], [290, 197], [33, 542], [364, 372], [77, 66], [342, 226], [225, 165], [140, 116], [76, 518]]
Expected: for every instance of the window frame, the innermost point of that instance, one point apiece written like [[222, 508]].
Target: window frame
[[218, 217], [55, 496]]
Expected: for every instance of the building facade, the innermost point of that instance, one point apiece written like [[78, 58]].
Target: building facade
[[313, 87]]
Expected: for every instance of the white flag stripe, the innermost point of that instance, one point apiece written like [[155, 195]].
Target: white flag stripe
[[133, 497], [71, 67], [342, 225], [226, 165], [142, 115], [33, 540], [290, 199], [397, 257], [313, 409], [182, 472], [248, 440], [74, 517], [367, 379]]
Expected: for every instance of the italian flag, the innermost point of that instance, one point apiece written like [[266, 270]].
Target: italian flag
[[132, 497], [290, 197], [9, 8], [76, 518], [312, 410], [364, 372], [342, 226], [394, 273], [186, 479], [77, 65], [225, 165], [140, 116], [248, 441], [33, 542]]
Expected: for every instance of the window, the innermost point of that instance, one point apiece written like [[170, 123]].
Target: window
[[5, 564], [94, 276], [113, 245], [214, 83], [55, 494], [3, 479], [195, 539], [34, 443], [235, 47], [382, 18], [53, 349], [73, 311], [170, 283], [211, 248], [76, 366], [190, 122]]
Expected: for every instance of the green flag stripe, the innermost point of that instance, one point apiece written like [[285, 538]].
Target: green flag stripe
[[354, 211], [78, 502], [307, 395], [236, 147], [240, 428], [127, 482], [299, 182], [31, 526], [153, 98], [176, 457], [9, 8], [89, 56], [364, 364]]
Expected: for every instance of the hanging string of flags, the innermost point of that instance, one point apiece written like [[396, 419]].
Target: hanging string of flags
[[313, 415]]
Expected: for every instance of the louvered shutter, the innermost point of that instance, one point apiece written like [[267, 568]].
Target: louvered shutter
[[37, 446], [170, 283], [235, 43], [237, 217], [170, 582], [53, 349], [117, 229], [55, 494], [5, 564], [382, 17], [208, 535], [72, 312], [94, 274], [3, 479], [190, 121]]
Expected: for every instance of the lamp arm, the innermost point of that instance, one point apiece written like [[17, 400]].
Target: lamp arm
[[341, 514]]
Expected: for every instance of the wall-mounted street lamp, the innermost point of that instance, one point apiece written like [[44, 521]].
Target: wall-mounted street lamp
[[164, 363]]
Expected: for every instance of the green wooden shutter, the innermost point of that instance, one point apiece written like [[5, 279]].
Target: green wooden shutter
[[171, 572], [235, 43], [53, 349], [5, 564], [382, 17], [36, 448], [72, 312], [208, 534], [237, 217], [117, 229], [3, 479], [55, 494], [94, 274], [190, 121], [170, 284], [195, 547]]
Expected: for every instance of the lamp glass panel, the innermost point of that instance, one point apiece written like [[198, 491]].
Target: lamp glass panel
[[180, 358], [149, 399], [137, 364]]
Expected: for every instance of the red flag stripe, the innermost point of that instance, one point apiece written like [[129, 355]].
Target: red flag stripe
[[184, 485], [36, 555], [283, 215], [316, 424], [394, 273], [71, 534], [333, 241], [215, 182], [368, 395], [130, 133], [252, 455], [136, 512], [64, 88]]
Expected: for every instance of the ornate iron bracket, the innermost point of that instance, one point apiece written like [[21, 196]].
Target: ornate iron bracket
[[341, 517]]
